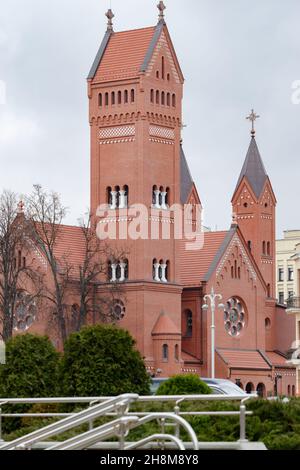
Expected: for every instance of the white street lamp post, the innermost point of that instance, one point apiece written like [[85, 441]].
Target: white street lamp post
[[212, 297]]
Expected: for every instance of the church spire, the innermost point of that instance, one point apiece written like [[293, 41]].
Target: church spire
[[253, 169], [109, 14], [161, 7]]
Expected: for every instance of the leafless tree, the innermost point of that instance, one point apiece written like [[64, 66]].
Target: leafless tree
[[45, 214], [16, 269], [95, 303]]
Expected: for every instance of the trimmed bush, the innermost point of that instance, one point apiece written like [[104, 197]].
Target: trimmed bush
[[31, 371], [31, 368], [102, 361], [189, 384]]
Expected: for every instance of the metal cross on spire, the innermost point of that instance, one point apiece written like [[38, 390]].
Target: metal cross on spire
[[109, 14], [161, 7], [252, 118]]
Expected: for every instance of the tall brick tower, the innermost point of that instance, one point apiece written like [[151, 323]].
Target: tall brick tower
[[254, 209], [135, 91]]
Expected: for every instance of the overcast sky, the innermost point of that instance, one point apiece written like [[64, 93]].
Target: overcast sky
[[235, 55]]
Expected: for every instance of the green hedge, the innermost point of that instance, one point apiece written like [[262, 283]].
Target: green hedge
[[184, 385], [102, 361]]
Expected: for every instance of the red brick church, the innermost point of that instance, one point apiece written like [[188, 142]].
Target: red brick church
[[135, 91]]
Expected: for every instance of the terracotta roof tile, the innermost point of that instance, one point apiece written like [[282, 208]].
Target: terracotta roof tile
[[243, 359], [71, 244], [195, 264], [277, 359], [125, 54]]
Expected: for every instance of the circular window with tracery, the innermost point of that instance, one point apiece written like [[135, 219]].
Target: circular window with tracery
[[25, 312], [118, 310], [234, 317]]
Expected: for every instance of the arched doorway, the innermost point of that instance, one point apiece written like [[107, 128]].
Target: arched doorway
[[261, 390], [249, 387]]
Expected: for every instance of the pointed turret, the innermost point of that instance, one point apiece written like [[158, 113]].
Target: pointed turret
[[253, 206], [254, 169]]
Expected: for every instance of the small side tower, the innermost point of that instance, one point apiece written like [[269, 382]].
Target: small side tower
[[254, 210]]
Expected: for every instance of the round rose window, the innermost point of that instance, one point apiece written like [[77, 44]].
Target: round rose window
[[25, 312], [118, 310], [234, 317]]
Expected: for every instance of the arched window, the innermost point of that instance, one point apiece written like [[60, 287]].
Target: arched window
[[168, 77], [106, 99], [157, 74], [161, 190], [117, 189], [249, 387], [126, 273], [249, 245], [19, 259], [163, 98], [264, 247], [152, 96], [154, 196], [269, 290], [167, 275], [132, 96], [235, 269], [188, 323], [176, 352], [113, 98], [108, 196], [289, 390], [168, 99], [163, 68], [118, 271], [126, 196], [232, 272], [174, 100], [239, 272], [119, 97], [24, 262], [293, 391], [109, 271], [165, 352], [168, 196], [126, 96], [100, 100], [268, 248], [157, 96], [154, 270], [267, 323]]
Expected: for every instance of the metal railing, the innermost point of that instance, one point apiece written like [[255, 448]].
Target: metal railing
[[293, 303], [123, 420], [119, 404]]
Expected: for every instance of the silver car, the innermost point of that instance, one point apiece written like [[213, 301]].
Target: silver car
[[218, 386]]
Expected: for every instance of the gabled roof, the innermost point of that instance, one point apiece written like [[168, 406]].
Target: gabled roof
[[243, 359], [196, 265], [186, 180], [165, 325], [253, 170], [122, 54], [126, 54]]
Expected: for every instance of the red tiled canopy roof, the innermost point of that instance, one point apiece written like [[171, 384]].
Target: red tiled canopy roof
[[165, 325], [125, 54], [195, 264], [243, 359]]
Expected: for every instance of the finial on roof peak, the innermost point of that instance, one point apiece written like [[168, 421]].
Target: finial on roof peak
[[161, 7], [20, 208], [109, 14], [252, 118]]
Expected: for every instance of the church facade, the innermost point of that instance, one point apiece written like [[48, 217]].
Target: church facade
[[135, 92]]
